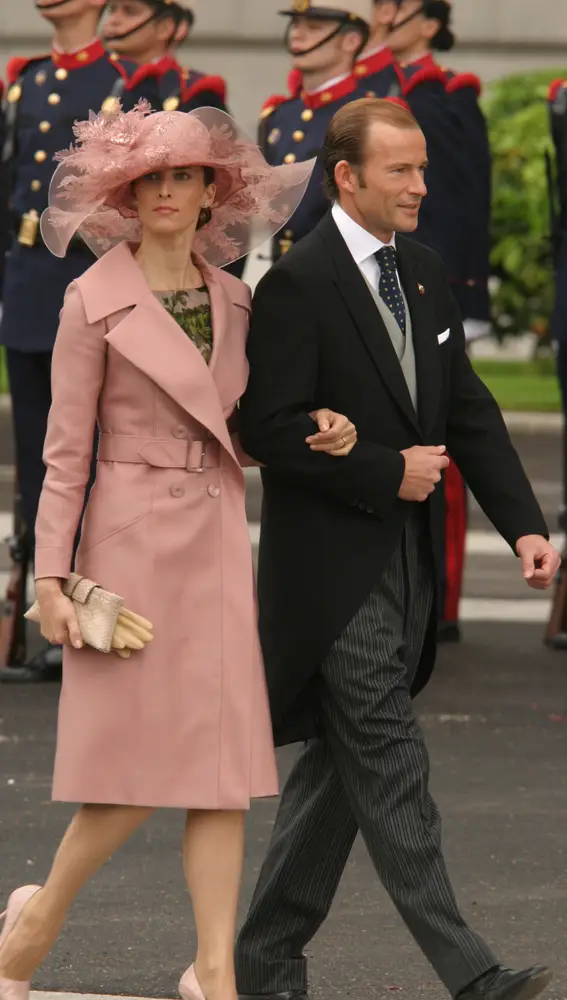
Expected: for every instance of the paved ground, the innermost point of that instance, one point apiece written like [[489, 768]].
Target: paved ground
[[495, 722], [495, 719]]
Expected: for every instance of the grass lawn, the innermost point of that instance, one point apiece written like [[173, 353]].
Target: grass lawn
[[522, 385]]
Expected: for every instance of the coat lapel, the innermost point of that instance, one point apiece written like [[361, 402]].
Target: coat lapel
[[151, 340], [371, 327], [426, 348]]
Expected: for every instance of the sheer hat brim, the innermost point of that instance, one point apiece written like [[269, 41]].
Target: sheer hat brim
[[91, 189]]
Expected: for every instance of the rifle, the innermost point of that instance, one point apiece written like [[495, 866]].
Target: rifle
[[13, 646]]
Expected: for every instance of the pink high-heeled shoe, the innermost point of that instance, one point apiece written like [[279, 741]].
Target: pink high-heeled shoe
[[13, 989], [189, 986]]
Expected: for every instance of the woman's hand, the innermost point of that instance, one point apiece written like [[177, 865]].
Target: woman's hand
[[337, 435], [58, 620]]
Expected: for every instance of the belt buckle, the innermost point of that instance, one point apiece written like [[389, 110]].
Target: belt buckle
[[201, 467]]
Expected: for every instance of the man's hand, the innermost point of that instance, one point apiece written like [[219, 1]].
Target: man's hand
[[423, 471], [337, 435], [540, 561]]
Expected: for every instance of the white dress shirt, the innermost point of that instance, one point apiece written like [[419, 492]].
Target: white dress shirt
[[362, 245]]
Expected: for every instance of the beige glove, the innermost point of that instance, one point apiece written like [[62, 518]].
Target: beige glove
[[131, 632]]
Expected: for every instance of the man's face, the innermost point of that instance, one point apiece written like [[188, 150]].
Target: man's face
[[72, 8], [411, 35], [305, 32], [389, 188], [124, 16]]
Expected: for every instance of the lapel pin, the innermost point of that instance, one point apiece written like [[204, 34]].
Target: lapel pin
[[421, 289]]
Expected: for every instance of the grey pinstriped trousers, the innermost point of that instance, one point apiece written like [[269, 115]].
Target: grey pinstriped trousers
[[369, 772]]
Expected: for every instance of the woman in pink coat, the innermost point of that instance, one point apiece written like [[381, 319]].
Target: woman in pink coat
[[151, 347]]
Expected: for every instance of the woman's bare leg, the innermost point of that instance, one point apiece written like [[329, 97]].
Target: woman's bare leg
[[92, 837], [213, 852]]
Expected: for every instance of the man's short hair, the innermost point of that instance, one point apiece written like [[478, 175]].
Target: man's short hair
[[346, 134]]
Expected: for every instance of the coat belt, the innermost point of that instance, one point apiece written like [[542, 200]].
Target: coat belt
[[161, 453]]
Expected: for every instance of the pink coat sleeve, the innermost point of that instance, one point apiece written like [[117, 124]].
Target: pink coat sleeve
[[77, 375]]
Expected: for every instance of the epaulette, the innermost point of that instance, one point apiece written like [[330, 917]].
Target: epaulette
[[142, 73], [214, 83], [429, 74], [294, 82], [17, 65], [554, 89], [462, 81], [272, 103]]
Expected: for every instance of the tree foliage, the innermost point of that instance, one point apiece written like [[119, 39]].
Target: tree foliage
[[518, 122]]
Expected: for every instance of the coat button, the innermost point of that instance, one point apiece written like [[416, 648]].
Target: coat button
[[213, 491], [179, 431], [177, 491]]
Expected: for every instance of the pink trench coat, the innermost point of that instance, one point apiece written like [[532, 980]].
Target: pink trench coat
[[185, 722]]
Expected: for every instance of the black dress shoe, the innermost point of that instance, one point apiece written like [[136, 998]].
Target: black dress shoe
[[448, 632], [46, 667], [287, 995], [505, 984]]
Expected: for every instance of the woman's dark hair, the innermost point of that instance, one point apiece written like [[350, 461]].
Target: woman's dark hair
[[205, 215], [440, 10]]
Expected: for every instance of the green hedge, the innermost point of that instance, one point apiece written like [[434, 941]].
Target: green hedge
[[517, 115]]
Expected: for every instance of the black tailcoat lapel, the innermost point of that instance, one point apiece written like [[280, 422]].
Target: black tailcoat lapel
[[354, 291], [425, 333]]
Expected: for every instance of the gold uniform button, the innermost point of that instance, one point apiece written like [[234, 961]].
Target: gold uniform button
[[289, 158], [40, 77], [61, 74], [307, 115], [44, 126], [298, 136], [35, 185], [54, 99], [83, 56], [114, 57], [360, 70], [14, 94], [370, 93], [40, 156], [326, 97], [267, 111], [171, 104]]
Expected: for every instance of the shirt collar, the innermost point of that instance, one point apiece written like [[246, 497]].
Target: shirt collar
[[329, 83], [360, 242]]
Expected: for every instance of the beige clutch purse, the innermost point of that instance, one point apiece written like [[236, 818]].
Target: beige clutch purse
[[104, 622]]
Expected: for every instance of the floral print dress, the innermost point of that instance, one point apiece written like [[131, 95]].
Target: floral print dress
[[191, 309]]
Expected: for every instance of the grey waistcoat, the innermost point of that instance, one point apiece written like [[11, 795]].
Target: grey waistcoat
[[403, 346]]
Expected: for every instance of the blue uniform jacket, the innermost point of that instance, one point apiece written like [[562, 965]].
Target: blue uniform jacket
[[46, 94]]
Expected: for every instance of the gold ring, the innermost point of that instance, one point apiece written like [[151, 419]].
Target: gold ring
[[344, 443]]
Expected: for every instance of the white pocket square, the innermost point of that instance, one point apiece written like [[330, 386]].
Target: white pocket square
[[443, 336]]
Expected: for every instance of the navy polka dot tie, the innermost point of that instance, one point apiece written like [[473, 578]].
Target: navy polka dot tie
[[389, 288]]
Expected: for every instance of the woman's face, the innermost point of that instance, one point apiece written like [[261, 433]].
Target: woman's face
[[169, 201]]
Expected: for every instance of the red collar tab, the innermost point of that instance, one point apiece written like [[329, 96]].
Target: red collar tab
[[367, 66], [167, 63], [77, 60], [322, 98]]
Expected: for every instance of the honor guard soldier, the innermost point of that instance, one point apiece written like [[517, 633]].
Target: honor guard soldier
[[45, 95], [323, 38], [556, 633], [457, 137], [147, 32]]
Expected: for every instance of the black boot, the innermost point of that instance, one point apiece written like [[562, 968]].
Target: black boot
[[505, 984]]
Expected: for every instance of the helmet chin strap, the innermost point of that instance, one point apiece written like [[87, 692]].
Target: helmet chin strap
[[407, 20], [318, 45], [50, 6], [127, 34]]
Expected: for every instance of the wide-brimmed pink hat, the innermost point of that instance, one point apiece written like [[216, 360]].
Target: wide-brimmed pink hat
[[91, 193]]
